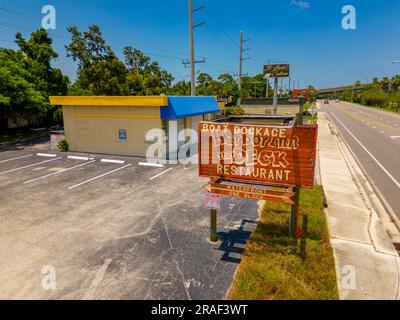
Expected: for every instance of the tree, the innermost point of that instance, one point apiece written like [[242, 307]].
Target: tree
[[18, 96], [99, 69], [29, 72]]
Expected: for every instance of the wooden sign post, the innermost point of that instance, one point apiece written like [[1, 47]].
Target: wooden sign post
[[246, 157]]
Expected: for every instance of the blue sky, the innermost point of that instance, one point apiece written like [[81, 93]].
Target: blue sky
[[307, 34]]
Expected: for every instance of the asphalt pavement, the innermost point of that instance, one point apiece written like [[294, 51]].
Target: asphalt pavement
[[374, 138]]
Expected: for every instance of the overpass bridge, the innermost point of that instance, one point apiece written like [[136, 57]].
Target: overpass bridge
[[334, 90]]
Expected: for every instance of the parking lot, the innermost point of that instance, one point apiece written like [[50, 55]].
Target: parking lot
[[113, 228]]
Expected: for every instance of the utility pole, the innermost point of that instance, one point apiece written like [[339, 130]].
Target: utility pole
[[267, 84], [191, 41], [241, 59]]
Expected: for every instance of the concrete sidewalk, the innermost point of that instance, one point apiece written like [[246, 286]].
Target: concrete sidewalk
[[367, 264]]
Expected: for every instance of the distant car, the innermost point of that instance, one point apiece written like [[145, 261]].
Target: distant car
[[337, 100], [326, 101]]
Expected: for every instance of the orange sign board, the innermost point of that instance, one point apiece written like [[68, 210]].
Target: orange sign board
[[251, 192], [258, 153]]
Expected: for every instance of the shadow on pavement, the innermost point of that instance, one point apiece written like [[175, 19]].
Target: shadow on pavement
[[234, 242]]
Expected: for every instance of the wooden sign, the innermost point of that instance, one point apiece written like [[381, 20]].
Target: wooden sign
[[258, 153], [276, 70], [251, 192]]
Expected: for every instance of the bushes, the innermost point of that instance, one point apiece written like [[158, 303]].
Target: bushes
[[374, 97], [63, 145], [233, 111]]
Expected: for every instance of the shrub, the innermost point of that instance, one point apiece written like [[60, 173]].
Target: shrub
[[63, 145], [233, 111]]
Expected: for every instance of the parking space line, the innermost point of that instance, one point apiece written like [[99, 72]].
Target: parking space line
[[49, 155], [100, 176], [61, 171], [12, 159], [31, 165], [149, 164], [157, 175], [112, 161], [80, 158]]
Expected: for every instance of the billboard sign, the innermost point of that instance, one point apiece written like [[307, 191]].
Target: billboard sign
[[257, 153], [276, 70]]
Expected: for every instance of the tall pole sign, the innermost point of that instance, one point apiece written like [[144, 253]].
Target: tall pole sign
[[276, 71]]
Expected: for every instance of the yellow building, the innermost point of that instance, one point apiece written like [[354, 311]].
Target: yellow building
[[118, 125]]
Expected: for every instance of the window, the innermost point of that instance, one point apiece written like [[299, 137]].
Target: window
[[122, 135]]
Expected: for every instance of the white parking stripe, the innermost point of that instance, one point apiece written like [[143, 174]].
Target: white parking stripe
[[100, 176], [49, 155], [112, 161], [79, 158], [160, 174], [61, 171], [12, 159], [31, 165], [369, 153], [149, 164]]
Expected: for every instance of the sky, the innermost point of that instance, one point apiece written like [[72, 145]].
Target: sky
[[308, 34]]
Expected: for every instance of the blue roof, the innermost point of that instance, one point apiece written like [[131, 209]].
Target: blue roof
[[182, 107]]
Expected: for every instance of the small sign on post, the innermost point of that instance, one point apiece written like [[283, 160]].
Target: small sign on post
[[213, 201]]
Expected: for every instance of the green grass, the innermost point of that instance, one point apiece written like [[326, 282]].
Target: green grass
[[275, 266]]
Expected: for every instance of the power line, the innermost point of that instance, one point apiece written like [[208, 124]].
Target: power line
[[20, 14]]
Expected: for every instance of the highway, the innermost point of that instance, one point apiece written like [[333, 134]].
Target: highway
[[374, 137]]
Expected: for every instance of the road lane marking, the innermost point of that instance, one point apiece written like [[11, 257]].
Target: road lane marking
[[12, 159], [395, 137], [61, 171], [48, 155], [29, 166], [157, 175], [369, 153], [367, 120], [98, 177], [382, 131]]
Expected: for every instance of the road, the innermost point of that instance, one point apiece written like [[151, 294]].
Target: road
[[374, 138]]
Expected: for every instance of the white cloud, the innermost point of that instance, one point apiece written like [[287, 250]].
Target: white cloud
[[301, 5]]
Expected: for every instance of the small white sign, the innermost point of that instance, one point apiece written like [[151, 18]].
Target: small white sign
[[213, 201]]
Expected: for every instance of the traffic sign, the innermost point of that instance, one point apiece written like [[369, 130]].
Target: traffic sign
[[251, 192]]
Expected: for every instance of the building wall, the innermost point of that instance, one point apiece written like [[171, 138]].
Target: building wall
[[95, 128], [283, 110]]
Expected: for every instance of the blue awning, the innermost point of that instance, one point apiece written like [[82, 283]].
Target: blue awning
[[182, 107]]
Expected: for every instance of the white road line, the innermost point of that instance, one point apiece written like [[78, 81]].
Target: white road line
[[369, 153], [112, 161], [31, 165], [149, 164], [80, 158], [395, 137], [157, 175], [90, 293], [12, 159], [61, 171], [49, 155], [100, 176], [382, 131]]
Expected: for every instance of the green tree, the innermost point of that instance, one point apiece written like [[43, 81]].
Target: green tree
[[99, 69], [19, 99]]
